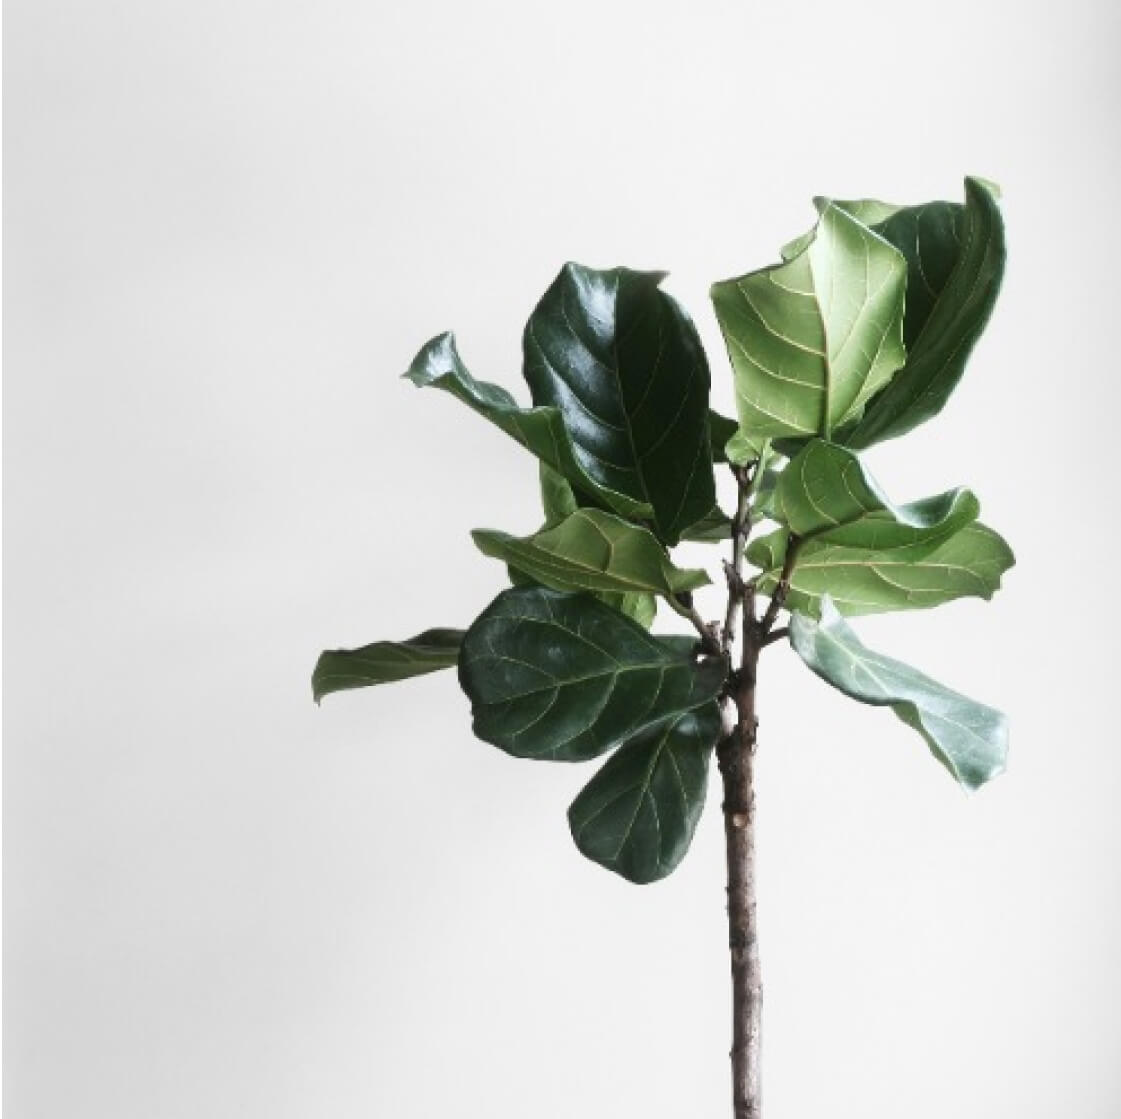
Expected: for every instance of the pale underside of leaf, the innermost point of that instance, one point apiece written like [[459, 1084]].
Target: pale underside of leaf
[[970, 739], [591, 550], [969, 563], [385, 662], [826, 493], [812, 340]]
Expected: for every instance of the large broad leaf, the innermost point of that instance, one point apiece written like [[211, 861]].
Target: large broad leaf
[[385, 662], [591, 550], [637, 815], [564, 677], [541, 430], [622, 362], [826, 492], [970, 740], [955, 262], [812, 340], [899, 571]]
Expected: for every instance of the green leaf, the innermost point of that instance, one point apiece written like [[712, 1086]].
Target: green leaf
[[541, 430], [636, 605], [969, 739], [565, 678], [385, 662], [558, 501], [591, 550], [955, 262], [637, 815], [557, 497], [622, 362], [812, 340], [714, 527], [901, 572], [720, 430], [867, 211], [826, 492]]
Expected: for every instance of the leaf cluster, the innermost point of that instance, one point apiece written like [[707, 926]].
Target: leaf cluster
[[859, 334]]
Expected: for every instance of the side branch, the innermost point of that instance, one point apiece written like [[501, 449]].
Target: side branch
[[741, 528], [683, 604], [793, 544]]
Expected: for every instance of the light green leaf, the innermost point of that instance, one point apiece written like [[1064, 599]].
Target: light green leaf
[[591, 550], [638, 814], [968, 738], [867, 211], [541, 430], [622, 362], [385, 662], [826, 492], [955, 263], [901, 573], [812, 340], [565, 678], [559, 501]]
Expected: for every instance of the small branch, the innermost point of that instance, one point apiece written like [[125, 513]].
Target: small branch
[[774, 635], [741, 528], [683, 605], [778, 597]]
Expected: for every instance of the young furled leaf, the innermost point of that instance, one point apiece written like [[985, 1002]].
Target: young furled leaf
[[955, 263], [968, 738], [897, 570], [385, 662], [621, 361], [591, 550], [565, 678], [812, 340]]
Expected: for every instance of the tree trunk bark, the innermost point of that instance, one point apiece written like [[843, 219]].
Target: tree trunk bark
[[736, 755]]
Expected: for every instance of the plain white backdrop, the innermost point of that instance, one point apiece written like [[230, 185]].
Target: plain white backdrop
[[229, 226]]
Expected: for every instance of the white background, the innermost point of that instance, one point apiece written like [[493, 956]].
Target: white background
[[230, 224]]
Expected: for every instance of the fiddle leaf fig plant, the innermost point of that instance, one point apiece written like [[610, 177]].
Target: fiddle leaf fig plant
[[858, 334]]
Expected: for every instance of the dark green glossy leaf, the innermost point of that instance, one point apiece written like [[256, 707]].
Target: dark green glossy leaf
[[385, 662], [968, 738], [812, 340], [826, 492], [901, 573], [541, 430], [720, 430], [565, 678], [716, 527], [591, 550], [621, 361], [955, 262], [637, 815]]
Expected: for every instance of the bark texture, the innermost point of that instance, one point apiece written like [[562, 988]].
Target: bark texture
[[736, 755]]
